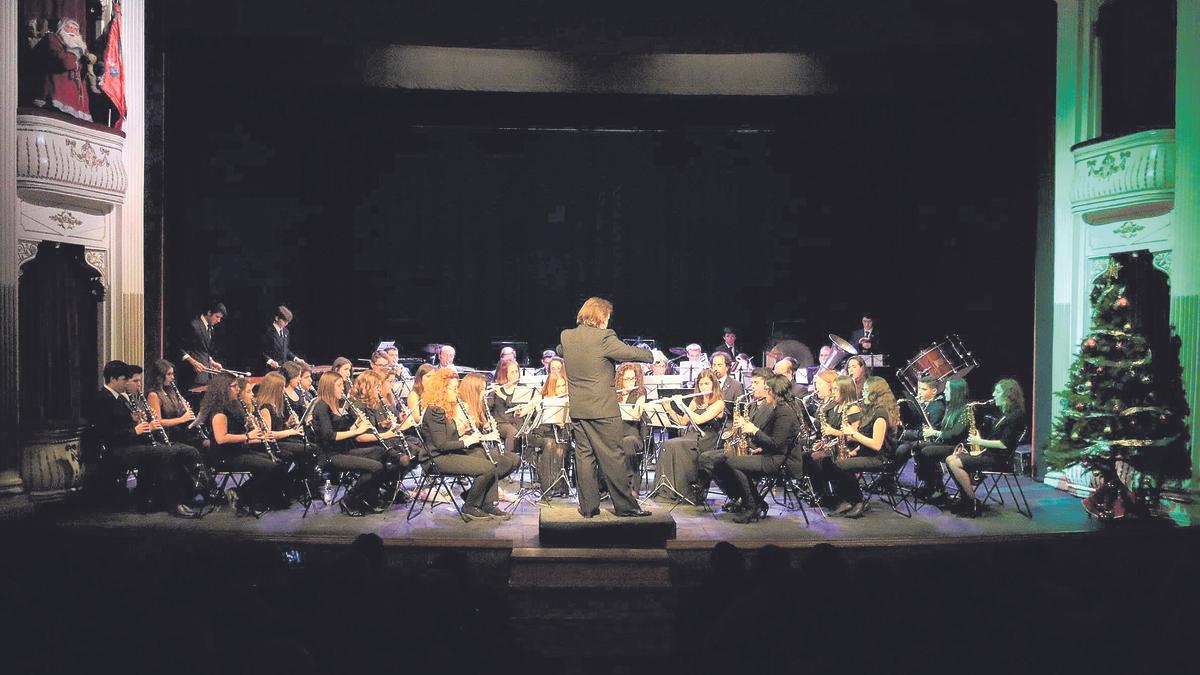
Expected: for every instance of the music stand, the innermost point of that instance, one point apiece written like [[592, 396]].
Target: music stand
[[555, 410], [691, 369], [666, 382], [654, 413]]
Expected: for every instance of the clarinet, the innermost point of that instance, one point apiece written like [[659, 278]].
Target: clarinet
[[253, 420], [471, 423], [187, 408], [487, 411], [396, 429], [148, 415], [358, 412]]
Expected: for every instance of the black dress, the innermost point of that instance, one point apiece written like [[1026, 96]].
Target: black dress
[[842, 475], [679, 459]]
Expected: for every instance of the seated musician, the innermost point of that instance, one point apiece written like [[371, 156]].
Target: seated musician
[[786, 367], [472, 391], [631, 390], [772, 432], [174, 413], [546, 356], [344, 369], [294, 393], [393, 357], [869, 444], [238, 445], [816, 462], [695, 362], [661, 366], [920, 414], [938, 443], [279, 415], [500, 400], [997, 449], [857, 369], [679, 458], [164, 468], [449, 444], [335, 429], [731, 388], [547, 444], [368, 397]]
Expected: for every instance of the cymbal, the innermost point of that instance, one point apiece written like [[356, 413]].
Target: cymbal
[[678, 351]]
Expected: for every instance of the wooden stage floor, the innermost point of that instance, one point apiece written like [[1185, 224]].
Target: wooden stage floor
[[1055, 513]]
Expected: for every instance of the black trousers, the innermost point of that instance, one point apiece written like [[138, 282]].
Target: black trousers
[[926, 463], [483, 489], [165, 469], [367, 462], [268, 478], [737, 475], [598, 445], [843, 475], [508, 434]]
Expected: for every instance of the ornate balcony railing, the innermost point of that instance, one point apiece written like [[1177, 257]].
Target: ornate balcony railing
[[63, 160], [1123, 178]]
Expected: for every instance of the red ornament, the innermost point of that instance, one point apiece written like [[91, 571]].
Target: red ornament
[[1090, 343], [1122, 302]]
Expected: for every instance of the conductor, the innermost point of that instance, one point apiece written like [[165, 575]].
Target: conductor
[[591, 351]]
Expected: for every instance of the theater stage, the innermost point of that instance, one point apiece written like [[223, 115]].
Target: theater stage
[[1055, 514]]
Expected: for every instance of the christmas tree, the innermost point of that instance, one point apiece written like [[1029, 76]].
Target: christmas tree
[[1125, 405]]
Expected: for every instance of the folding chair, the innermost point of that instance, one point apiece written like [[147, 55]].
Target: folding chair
[[796, 490], [435, 482], [989, 481], [884, 484]]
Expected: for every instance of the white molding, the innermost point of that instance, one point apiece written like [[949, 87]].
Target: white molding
[[71, 164], [1127, 171]]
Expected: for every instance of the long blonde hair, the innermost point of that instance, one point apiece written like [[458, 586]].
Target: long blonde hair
[[470, 392], [327, 389], [881, 401], [269, 392]]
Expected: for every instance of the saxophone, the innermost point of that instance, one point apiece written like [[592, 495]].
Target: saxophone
[[972, 430], [736, 442]]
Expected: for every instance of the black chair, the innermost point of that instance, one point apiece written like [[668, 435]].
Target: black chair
[[795, 490], [989, 480], [884, 484], [434, 482]]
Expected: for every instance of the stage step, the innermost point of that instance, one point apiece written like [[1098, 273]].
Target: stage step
[[562, 526], [589, 604]]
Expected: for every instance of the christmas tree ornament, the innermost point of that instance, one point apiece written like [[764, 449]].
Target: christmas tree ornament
[[1121, 303]]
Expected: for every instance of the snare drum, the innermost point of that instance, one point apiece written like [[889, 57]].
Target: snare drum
[[945, 360]]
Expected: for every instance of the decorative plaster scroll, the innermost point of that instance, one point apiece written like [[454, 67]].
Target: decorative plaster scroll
[[88, 154], [26, 251], [1110, 165], [1162, 260], [66, 220], [97, 259], [1129, 229]]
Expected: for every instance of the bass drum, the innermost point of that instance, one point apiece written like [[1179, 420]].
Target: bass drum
[[946, 360]]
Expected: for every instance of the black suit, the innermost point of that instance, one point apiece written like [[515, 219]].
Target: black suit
[[590, 355], [778, 430], [164, 466], [198, 344], [874, 340], [722, 347], [276, 347], [731, 389], [452, 457]]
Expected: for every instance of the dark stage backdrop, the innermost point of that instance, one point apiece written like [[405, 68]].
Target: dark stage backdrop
[[463, 217]]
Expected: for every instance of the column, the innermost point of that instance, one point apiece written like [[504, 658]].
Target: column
[[1185, 274], [128, 289], [9, 450]]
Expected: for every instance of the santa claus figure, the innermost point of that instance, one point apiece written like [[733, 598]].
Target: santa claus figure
[[67, 65]]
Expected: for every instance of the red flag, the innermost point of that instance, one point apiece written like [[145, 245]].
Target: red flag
[[113, 83]]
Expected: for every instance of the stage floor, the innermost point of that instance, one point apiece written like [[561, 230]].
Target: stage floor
[[1055, 513]]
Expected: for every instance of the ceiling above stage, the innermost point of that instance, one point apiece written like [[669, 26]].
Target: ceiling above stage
[[782, 48]]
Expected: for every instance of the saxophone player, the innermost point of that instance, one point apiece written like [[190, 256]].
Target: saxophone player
[[773, 433], [997, 450], [938, 443]]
